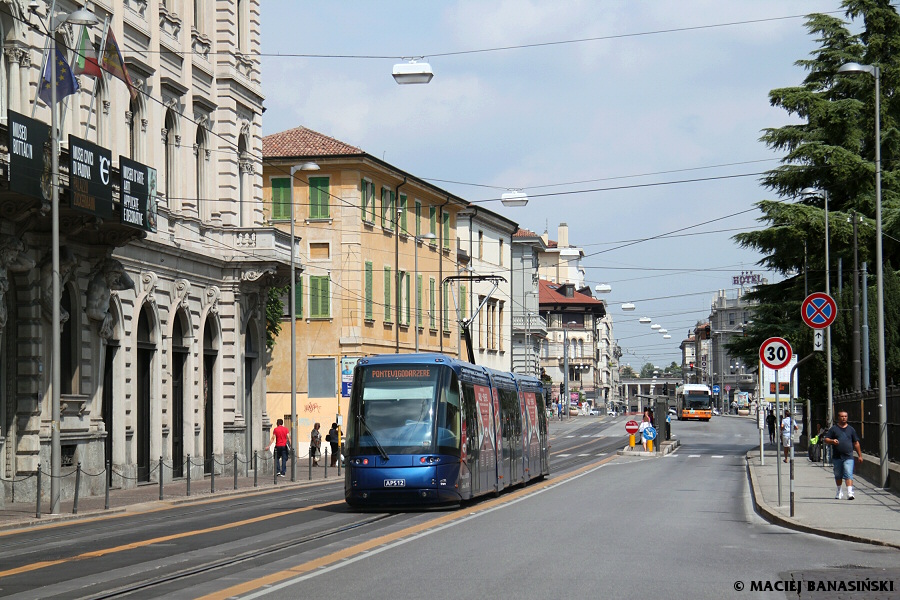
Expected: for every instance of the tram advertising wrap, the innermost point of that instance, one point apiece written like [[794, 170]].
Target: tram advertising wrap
[[428, 429]]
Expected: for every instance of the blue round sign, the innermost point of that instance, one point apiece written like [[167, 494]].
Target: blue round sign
[[715, 389], [649, 433]]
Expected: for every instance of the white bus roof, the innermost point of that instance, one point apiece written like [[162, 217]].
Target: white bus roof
[[693, 387]]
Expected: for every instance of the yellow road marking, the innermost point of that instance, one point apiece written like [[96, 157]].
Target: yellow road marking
[[334, 557], [166, 538]]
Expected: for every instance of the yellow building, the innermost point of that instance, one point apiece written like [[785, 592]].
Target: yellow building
[[361, 227]]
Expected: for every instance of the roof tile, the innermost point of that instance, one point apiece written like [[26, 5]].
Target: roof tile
[[301, 141]]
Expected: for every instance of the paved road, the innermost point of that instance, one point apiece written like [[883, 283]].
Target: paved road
[[602, 526]]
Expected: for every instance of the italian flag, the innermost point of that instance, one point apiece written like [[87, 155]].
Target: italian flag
[[86, 57]]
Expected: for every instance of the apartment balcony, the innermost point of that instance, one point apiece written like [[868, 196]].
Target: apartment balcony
[[533, 324]]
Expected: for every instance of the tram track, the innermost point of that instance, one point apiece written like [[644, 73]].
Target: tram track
[[245, 558]]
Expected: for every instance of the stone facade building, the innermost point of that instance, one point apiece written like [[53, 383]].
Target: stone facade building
[[163, 345]]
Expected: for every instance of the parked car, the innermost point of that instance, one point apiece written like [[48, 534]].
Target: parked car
[[595, 412], [673, 412]]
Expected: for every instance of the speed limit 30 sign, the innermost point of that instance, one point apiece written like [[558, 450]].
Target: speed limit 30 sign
[[775, 353]]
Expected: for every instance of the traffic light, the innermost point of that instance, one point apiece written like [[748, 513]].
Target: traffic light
[[562, 389], [665, 389]]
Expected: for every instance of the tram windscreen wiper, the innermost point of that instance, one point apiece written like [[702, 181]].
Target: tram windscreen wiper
[[378, 445]]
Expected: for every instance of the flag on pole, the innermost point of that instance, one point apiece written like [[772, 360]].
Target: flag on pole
[[86, 56], [65, 80], [114, 64]]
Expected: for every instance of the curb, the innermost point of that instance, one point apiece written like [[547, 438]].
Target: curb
[[666, 448], [152, 505], [775, 518]]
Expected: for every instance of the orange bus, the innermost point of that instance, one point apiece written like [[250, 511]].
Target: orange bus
[[693, 401]]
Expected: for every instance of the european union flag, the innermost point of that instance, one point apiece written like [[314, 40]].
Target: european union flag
[[66, 83]]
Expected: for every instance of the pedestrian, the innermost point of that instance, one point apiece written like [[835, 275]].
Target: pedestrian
[[770, 424], [332, 438], [788, 427], [281, 435], [815, 444], [645, 423], [315, 444], [844, 439]]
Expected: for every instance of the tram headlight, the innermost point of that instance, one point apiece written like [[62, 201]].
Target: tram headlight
[[429, 460], [360, 461]]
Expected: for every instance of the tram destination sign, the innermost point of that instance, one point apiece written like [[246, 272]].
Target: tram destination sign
[[138, 193], [89, 178], [29, 156]]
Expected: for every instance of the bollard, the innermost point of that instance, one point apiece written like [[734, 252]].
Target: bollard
[[212, 475], [235, 470], [189, 475], [106, 476], [161, 478], [649, 445], [325, 464], [77, 485], [37, 511], [256, 468], [631, 441], [310, 465]]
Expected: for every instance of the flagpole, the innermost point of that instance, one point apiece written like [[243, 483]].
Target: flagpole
[[87, 124], [46, 55]]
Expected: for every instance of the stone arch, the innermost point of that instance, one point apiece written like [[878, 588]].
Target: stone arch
[[146, 407], [181, 391]]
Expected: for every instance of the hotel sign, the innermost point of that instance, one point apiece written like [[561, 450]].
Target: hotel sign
[[29, 156], [89, 178]]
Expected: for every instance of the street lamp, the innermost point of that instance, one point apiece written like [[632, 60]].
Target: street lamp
[[830, 408], [412, 72], [87, 18], [417, 240], [873, 70], [307, 166]]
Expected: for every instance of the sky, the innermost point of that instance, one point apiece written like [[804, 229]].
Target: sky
[[635, 123]]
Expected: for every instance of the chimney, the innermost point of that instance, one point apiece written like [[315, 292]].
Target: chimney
[[563, 236]]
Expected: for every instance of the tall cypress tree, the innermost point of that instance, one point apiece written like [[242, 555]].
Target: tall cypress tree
[[833, 150]]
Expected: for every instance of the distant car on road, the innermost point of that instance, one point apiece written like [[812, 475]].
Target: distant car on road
[[715, 411], [672, 411], [595, 412]]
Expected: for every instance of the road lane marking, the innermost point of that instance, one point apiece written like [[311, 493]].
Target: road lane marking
[[693, 456], [341, 558], [718, 456]]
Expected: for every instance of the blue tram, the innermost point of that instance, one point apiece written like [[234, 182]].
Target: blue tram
[[428, 429]]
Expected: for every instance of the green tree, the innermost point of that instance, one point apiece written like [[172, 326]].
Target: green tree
[[647, 370], [627, 372], [832, 149], [274, 312]]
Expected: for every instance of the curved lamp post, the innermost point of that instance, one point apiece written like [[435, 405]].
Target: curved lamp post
[[874, 71]]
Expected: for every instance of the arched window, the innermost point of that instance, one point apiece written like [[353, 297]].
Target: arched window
[[242, 180], [200, 149], [171, 164], [135, 128]]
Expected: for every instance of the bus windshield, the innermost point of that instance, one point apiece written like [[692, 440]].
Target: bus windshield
[[697, 401], [397, 407]]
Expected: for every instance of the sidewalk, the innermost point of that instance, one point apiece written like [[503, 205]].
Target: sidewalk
[[872, 518], [146, 496]]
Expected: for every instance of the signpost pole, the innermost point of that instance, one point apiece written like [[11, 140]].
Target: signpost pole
[[778, 448]]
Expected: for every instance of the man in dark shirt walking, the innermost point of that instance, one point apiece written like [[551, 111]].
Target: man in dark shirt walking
[[843, 437]]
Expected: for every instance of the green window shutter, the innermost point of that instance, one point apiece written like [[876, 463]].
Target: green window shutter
[[462, 301], [403, 215], [418, 218], [431, 303], [384, 207], [281, 198], [446, 217], [369, 290], [364, 198], [432, 218], [387, 295], [446, 318], [324, 297], [318, 198], [319, 297], [419, 301], [371, 202], [313, 297], [298, 298], [406, 308]]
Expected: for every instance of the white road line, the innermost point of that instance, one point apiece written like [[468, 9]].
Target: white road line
[[718, 456], [693, 456], [563, 455]]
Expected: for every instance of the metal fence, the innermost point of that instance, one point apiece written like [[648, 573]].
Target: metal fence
[[862, 414]]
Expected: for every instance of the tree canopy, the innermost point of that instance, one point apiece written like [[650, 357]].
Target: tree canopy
[[833, 151]]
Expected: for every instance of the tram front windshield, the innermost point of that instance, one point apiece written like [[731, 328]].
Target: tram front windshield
[[400, 407], [697, 401]]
